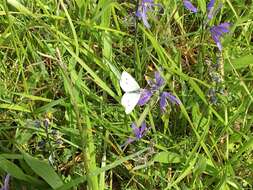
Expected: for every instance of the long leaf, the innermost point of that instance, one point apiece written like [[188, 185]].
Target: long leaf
[[14, 107], [44, 170]]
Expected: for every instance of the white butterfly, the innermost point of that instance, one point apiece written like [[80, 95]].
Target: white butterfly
[[132, 92]]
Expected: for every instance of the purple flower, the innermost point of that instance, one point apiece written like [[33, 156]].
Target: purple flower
[[159, 81], [163, 100], [211, 11], [155, 86], [218, 31], [139, 132], [145, 96], [210, 5], [144, 7], [188, 5], [6, 182]]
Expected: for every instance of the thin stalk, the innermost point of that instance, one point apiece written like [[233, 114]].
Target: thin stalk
[[85, 132], [89, 150], [51, 150], [145, 112], [107, 59], [71, 26], [103, 164]]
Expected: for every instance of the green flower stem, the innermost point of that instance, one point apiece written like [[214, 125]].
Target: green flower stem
[[145, 112]]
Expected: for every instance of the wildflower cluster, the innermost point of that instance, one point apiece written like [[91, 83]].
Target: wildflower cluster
[[135, 95], [216, 31], [53, 133], [155, 86], [139, 132], [144, 7]]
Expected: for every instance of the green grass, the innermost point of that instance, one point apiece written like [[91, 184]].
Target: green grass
[[60, 61]]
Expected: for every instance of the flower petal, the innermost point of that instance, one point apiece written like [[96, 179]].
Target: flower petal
[[138, 13], [145, 18], [159, 80], [218, 43], [173, 99], [145, 97], [188, 5], [210, 5], [6, 182], [212, 11], [217, 32], [224, 27], [142, 129], [148, 1], [138, 133], [144, 7], [135, 129], [128, 141], [163, 102]]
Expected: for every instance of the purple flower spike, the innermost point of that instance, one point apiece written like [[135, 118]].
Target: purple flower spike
[[218, 31], [170, 97], [155, 86], [145, 97], [188, 5], [144, 7], [6, 182]]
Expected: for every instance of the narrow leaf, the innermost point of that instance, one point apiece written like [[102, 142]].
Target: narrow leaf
[[14, 107], [167, 157], [11, 168], [44, 170], [19, 6], [239, 63]]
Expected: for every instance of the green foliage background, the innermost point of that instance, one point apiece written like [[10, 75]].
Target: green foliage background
[[61, 122]]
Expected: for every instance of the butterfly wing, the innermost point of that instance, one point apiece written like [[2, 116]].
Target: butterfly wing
[[128, 83], [129, 101]]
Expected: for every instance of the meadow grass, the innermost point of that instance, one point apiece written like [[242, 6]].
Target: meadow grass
[[62, 123]]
